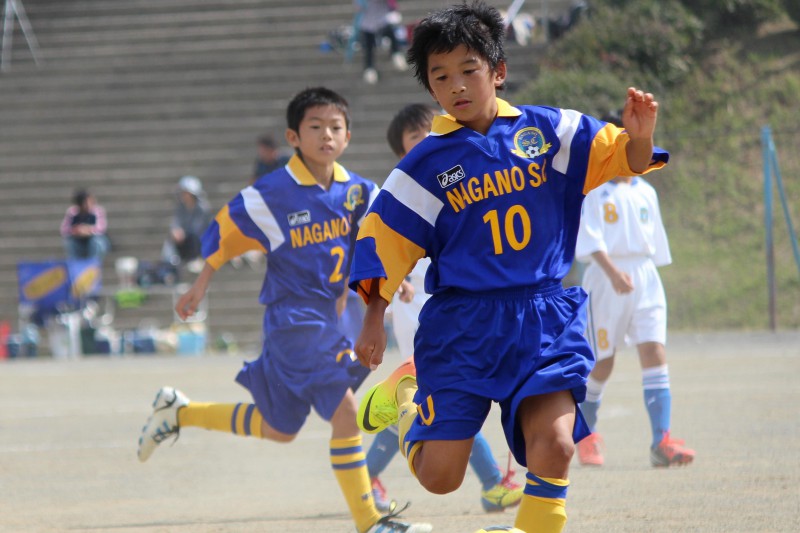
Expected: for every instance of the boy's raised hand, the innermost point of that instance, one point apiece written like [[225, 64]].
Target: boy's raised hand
[[639, 114], [189, 301]]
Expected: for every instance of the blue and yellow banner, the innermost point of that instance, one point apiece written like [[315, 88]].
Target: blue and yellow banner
[[48, 285]]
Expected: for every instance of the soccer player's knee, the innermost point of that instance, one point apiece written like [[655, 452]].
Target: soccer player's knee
[[282, 437], [439, 480], [270, 433], [561, 449], [440, 484], [555, 451]]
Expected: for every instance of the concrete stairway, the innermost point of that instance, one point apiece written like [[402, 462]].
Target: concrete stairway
[[132, 95]]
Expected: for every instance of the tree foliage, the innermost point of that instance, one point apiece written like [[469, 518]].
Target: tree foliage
[[657, 39], [792, 8], [717, 86], [727, 15]]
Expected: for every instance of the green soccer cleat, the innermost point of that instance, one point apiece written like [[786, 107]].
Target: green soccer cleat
[[502, 496], [378, 408]]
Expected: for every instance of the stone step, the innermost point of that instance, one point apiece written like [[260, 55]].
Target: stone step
[[132, 95]]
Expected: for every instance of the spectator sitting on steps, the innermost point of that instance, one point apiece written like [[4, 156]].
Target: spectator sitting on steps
[[192, 215], [84, 228]]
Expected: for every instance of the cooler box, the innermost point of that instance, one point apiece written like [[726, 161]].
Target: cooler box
[[191, 342]]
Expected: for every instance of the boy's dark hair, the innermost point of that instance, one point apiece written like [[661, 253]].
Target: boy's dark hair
[[412, 116], [314, 97], [477, 26]]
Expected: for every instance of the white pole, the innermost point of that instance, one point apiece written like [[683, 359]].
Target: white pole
[[12, 8], [8, 33]]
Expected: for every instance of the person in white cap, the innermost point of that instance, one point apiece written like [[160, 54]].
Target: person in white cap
[[191, 218]]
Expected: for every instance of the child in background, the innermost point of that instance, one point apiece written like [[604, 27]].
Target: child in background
[[408, 127], [493, 196], [268, 157], [304, 216], [376, 20], [84, 228], [623, 239]]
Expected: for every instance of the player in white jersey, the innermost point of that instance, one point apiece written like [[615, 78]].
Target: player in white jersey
[[623, 238]]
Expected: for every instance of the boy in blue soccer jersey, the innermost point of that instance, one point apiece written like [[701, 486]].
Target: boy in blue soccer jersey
[[498, 491], [304, 217], [493, 196]]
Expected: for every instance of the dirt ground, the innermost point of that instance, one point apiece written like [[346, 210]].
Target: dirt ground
[[68, 432]]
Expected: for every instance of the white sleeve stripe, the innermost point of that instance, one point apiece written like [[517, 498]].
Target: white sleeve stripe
[[372, 195], [262, 217], [565, 131], [413, 195]]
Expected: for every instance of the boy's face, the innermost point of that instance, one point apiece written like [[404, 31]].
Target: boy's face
[[322, 136], [463, 83], [412, 137]]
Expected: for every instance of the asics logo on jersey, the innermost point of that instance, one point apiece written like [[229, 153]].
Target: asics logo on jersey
[[449, 177], [299, 217]]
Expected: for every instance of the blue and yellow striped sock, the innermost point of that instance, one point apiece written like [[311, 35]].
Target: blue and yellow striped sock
[[543, 506], [238, 418], [350, 468]]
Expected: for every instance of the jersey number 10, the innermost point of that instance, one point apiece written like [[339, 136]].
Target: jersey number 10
[[515, 241]]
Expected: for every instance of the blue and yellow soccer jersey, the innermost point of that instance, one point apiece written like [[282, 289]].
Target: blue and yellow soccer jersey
[[511, 197], [307, 232]]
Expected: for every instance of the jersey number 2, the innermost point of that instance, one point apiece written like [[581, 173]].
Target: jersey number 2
[[516, 242], [336, 275]]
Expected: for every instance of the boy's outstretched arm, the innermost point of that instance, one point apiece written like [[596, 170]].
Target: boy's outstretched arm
[[639, 120], [371, 341], [187, 304]]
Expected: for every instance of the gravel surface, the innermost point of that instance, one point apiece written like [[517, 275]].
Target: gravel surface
[[68, 433]]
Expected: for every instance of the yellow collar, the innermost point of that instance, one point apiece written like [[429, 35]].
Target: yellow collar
[[300, 173], [444, 124]]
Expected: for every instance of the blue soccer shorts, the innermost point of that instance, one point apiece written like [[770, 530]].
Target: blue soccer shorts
[[305, 362], [502, 346]]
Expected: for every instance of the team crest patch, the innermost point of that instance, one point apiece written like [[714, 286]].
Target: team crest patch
[[529, 143], [299, 217], [449, 177], [355, 197]]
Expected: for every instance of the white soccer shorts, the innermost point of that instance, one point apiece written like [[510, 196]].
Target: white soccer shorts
[[618, 320]]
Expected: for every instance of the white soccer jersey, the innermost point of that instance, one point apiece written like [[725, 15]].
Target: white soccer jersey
[[623, 220], [405, 315]]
